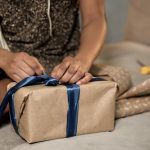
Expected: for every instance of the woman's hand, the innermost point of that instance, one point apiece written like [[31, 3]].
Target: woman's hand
[[72, 70], [19, 65], [75, 69]]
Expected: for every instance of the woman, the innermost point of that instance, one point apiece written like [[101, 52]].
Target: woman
[[44, 36]]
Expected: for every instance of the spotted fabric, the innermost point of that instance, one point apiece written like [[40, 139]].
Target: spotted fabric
[[139, 90], [25, 27], [132, 106], [131, 100], [117, 74]]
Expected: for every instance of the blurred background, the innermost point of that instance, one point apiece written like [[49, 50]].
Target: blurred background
[[116, 11], [128, 38]]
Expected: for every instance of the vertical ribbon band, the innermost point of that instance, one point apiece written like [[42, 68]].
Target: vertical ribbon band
[[73, 92]]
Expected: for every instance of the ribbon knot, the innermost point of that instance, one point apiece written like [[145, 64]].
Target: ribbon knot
[[51, 82]]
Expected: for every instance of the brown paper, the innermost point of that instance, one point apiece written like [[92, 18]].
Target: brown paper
[[41, 111]]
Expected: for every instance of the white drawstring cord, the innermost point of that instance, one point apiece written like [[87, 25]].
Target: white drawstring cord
[[3, 43], [49, 17]]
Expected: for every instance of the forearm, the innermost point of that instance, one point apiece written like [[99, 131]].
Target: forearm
[[92, 39]]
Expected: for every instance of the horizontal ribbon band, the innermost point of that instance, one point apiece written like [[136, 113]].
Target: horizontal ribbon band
[[73, 92]]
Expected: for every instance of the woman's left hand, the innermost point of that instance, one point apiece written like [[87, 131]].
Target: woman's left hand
[[72, 70]]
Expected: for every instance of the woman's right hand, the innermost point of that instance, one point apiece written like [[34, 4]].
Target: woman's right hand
[[19, 65]]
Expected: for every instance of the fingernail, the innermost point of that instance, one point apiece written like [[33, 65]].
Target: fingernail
[[78, 83], [52, 74], [43, 72]]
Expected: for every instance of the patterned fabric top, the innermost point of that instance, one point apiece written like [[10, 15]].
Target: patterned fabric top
[[26, 27]]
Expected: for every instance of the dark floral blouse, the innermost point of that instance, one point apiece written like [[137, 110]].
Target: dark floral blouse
[[25, 26]]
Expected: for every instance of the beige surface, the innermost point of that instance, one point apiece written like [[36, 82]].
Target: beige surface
[[131, 133], [125, 54], [138, 22]]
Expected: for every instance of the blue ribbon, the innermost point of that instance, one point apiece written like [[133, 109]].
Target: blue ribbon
[[73, 92], [72, 115]]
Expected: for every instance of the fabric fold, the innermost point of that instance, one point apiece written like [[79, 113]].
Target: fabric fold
[[131, 100]]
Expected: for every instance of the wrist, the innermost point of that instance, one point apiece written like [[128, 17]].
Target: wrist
[[3, 55], [85, 59]]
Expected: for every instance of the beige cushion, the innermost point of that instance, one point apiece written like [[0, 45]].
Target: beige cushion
[[125, 54], [138, 26], [131, 133]]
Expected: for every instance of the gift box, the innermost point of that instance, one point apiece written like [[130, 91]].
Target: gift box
[[40, 112]]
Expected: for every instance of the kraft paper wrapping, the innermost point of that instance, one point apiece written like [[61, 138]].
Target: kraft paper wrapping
[[41, 111]]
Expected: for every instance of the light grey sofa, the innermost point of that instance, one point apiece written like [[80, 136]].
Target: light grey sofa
[[130, 133]]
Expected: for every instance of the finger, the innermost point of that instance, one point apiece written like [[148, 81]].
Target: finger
[[69, 73], [34, 64], [40, 65], [85, 79], [78, 75], [54, 72], [26, 68], [21, 73], [59, 70], [16, 78]]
